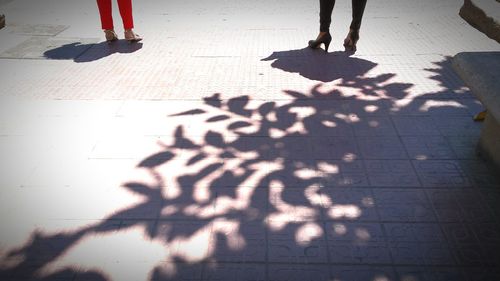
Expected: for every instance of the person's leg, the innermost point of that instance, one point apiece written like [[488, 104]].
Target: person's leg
[[106, 14], [325, 18], [358, 8], [325, 14], [126, 13], [128, 20]]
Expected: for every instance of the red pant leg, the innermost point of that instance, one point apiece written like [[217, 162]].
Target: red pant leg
[[126, 13], [106, 13]]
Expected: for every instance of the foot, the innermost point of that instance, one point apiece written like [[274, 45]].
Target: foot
[[110, 35], [351, 40], [323, 38], [131, 36]]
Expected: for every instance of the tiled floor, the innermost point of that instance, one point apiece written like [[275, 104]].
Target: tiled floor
[[221, 148]]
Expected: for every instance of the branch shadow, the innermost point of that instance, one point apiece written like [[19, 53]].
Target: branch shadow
[[290, 186]]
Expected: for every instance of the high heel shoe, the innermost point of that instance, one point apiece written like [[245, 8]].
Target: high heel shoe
[[131, 36], [324, 39], [351, 40], [110, 35]]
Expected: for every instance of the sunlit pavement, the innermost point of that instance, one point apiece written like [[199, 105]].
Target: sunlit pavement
[[222, 149]]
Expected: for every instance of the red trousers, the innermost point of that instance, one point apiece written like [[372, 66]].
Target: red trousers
[[125, 7]]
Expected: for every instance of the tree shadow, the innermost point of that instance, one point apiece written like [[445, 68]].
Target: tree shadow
[[276, 190], [82, 53]]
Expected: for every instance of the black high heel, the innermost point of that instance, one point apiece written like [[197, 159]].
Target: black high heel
[[351, 40], [325, 39]]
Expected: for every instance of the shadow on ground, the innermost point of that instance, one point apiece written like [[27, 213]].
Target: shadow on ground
[[284, 190], [81, 53], [320, 66]]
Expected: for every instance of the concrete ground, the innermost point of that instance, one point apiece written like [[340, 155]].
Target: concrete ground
[[220, 148]]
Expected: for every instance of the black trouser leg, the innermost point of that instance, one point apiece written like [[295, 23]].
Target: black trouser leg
[[325, 14], [358, 8]]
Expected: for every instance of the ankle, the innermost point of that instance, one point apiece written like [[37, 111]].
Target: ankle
[[322, 34], [354, 33]]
